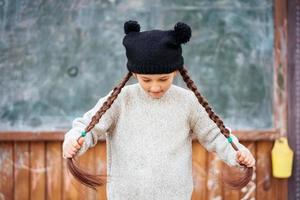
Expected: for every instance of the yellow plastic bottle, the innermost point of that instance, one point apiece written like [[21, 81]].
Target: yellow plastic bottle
[[282, 158]]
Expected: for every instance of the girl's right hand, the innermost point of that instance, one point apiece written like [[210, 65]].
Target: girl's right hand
[[71, 147]]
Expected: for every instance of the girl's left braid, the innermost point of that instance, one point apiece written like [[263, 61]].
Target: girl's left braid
[[246, 177]]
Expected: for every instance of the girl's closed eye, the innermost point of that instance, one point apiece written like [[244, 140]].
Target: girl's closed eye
[[163, 80]]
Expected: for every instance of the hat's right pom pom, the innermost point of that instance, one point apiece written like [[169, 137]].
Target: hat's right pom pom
[[183, 32], [131, 26]]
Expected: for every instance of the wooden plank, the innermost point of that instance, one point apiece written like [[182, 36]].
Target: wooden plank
[[243, 135], [6, 170], [281, 188], [21, 170], [214, 183], [199, 160], [87, 162], [70, 189], [32, 136], [264, 184], [54, 170], [100, 163], [37, 171]]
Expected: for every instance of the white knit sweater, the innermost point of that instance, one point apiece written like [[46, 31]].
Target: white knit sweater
[[149, 143]]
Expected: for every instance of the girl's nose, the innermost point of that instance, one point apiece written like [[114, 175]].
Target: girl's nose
[[155, 89]]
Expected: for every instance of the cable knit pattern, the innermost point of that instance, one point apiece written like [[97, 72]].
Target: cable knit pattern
[[149, 143]]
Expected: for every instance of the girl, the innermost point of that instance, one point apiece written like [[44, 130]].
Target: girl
[[148, 125]]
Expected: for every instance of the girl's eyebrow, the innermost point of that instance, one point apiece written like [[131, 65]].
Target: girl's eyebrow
[[160, 77]]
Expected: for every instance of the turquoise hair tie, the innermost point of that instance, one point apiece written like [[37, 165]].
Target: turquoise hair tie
[[229, 139], [83, 133]]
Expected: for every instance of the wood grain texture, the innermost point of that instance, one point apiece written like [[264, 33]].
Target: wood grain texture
[[243, 135], [37, 170], [21, 170], [214, 183], [100, 167], [87, 162], [199, 161], [264, 182], [54, 170], [71, 186], [6, 170]]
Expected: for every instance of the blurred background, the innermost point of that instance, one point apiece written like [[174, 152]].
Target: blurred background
[[57, 58]]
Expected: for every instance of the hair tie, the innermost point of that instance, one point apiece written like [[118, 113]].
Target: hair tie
[[83, 133], [229, 139]]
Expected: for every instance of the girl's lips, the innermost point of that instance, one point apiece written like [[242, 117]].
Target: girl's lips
[[155, 92]]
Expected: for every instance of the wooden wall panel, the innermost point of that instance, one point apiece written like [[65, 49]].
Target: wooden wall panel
[[6, 170], [100, 167], [21, 170], [265, 184], [54, 170], [36, 170], [87, 162], [71, 187], [199, 164], [214, 183]]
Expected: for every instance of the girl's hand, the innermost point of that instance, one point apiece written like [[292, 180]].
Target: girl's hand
[[71, 147], [244, 157]]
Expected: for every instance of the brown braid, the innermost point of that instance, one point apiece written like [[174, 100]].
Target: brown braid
[[244, 178], [85, 178]]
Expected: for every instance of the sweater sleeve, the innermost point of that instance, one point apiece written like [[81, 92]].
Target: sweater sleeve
[[209, 135], [79, 124]]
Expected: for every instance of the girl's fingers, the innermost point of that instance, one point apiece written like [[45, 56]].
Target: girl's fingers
[[68, 155], [70, 148], [71, 152], [74, 149], [241, 158], [247, 159], [76, 145], [81, 140]]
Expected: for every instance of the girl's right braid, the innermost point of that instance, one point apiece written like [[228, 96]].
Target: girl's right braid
[[107, 104], [85, 178]]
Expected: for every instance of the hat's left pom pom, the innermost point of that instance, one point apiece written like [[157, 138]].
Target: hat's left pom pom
[[131, 26], [183, 32]]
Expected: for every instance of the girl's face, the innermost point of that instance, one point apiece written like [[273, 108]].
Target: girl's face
[[155, 84]]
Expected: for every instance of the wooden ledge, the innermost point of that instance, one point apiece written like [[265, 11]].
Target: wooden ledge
[[256, 135]]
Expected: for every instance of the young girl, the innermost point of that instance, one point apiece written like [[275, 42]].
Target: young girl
[[148, 125]]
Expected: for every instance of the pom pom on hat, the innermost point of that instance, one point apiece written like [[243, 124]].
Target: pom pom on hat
[[131, 26], [183, 32]]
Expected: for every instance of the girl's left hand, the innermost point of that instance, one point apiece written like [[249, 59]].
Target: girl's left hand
[[246, 158]]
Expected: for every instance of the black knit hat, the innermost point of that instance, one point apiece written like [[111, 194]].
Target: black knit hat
[[155, 51]]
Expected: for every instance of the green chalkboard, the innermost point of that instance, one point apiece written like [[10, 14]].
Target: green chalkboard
[[57, 58]]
